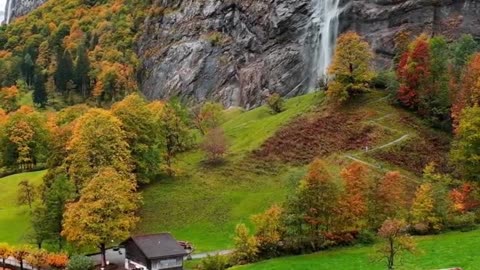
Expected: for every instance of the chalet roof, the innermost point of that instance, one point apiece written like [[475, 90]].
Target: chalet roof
[[160, 245]]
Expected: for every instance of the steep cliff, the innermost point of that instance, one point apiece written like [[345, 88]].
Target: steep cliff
[[235, 51], [379, 21], [17, 8]]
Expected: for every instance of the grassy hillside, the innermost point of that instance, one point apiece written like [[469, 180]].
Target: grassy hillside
[[204, 204], [14, 220], [455, 249]]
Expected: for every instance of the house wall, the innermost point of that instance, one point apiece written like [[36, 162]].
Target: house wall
[[175, 263]]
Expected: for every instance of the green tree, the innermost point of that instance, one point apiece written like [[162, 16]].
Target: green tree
[[175, 132], [39, 91], [64, 71], [140, 128], [350, 69], [79, 262], [463, 49], [82, 69], [209, 116], [40, 225], [26, 193], [437, 103], [465, 151], [105, 212]]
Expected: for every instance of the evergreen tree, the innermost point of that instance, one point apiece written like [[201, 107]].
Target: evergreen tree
[[64, 71], [82, 68], [40, 97]]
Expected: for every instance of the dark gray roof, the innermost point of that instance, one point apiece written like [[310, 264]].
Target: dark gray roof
[[158, 245]]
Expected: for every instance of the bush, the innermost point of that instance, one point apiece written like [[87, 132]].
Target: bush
[[366, 237], [217, 262], [463, 222], [78, 262], [276, 103]]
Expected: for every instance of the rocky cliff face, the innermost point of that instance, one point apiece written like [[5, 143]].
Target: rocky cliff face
[[236, 51], [233, 51], [380, 20], [17, 8]]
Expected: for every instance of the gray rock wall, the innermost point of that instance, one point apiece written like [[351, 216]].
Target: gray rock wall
[[379, 20], [236, 51], [18, 8]]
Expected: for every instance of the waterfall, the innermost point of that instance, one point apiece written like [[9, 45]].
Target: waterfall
[[8, 11], [323, 31]]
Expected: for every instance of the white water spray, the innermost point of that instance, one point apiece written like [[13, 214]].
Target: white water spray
[[324, 30], [8, 11]]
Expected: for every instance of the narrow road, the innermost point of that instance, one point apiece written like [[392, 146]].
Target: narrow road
[[211, 253]]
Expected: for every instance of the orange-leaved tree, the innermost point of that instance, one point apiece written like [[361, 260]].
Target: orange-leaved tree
[[105, 212], [353, 205], [413, 72]]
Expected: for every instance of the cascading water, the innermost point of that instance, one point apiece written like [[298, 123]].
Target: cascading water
[[8, 11], [323, 31]]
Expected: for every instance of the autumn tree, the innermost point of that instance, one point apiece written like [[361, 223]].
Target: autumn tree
[[468, 94], [413, 72], [209, 116], [98, 140], [106, 211], [38, 259], [465, 151], [26, 193], [353, 205], [58, 260], [310, 213], [395, 242], [5, 252], [215, 145], [20, 253], [464, 199], [8, 98], [269, 231], [391, 200], [140, 128], [350, 69], [423, 215], [246, 246]]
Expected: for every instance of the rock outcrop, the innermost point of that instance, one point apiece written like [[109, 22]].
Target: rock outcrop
[[18, 8], [233, 51], [237, 51], [380, 20]]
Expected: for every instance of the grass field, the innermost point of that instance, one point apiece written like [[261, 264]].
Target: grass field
[[203, 204], [14, 220], [454, 249]]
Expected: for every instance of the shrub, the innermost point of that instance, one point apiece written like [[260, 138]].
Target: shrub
[[78, 262], [463, 222], [217, 262], [215, 145], [246, 246], [366, 237], [276, 103]]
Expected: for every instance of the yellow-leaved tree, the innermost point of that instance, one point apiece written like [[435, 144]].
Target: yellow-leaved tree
[[350, 71], [105, 212], [98, 140]]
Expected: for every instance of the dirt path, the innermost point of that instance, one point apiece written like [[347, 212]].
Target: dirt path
[[198, 256]]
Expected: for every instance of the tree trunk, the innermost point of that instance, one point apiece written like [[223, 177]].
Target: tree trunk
[[21, 264], [104, 257]]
